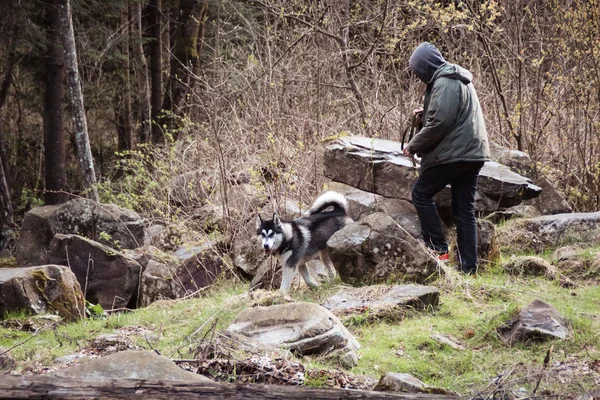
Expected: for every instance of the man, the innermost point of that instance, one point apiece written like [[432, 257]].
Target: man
[[453, 146]]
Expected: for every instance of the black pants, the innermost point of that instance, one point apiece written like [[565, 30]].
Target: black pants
[[462, 176]]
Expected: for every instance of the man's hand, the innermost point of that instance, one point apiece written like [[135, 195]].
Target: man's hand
[[418, 113], [407, 153]]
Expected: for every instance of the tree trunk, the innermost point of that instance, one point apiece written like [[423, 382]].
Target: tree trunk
[[123, 106], [156, 69], [48, 387], [6, 211], [141, 72], [82, 140], [183, 60], [55, 150]]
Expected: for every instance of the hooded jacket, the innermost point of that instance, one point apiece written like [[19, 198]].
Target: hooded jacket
[[453, 126]]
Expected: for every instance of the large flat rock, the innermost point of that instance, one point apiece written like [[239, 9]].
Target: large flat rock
[[382, 300], [305, 328], [378, 166], [131, 364]]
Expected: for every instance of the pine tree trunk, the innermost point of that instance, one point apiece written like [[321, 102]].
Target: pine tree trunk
[[82, 140], [54, 130], [6, 208], [141, 72], [156, 69], [184, 59], [125, 125]]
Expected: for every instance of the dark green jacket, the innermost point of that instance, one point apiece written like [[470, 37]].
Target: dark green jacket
[[453, 126]]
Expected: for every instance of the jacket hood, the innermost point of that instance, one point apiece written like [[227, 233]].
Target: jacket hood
[[425, 60], [453, 71]]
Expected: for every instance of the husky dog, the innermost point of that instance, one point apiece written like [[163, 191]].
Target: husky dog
[[295, 242]]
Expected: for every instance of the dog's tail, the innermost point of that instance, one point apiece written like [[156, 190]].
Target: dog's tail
[[329, 199]]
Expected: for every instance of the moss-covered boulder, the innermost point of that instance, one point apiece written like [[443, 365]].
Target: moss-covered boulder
[[40, 290], [108, 224]]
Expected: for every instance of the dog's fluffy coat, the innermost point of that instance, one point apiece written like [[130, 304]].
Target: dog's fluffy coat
[[295, 242]]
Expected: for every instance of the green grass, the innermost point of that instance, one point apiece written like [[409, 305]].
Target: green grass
[[471, 310]]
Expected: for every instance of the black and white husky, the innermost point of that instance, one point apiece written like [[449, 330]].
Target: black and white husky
[[295, 242]]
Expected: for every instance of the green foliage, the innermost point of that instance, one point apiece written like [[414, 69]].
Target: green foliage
[[142, 182], [29, 199], [94, 310]]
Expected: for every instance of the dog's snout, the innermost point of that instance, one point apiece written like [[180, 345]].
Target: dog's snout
[[266, 246]]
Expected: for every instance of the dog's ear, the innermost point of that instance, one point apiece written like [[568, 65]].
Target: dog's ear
[[258, 222], [276, 220]]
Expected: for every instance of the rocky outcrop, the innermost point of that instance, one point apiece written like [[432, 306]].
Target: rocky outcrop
[[550, 232], [377, 165], [109, 224], [377, 249], [41, 290], [382, 301], [538, 321], [304, 328], [549, 201], [106, 277]]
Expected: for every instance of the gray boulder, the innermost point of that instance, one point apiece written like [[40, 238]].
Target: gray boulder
[[362, 203], [189, 269], [550, 232], [382, 301], [41, 290], [378, 165], [157, 283], [104, 223], [305, 328], [406, 383], [131, 364], [376, 250], [106, 276], [538, 321], [530, 266], [520, 211], [200, 264], [549, 201]]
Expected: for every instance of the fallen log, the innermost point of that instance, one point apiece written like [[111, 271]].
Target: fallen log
[[49, 387]]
